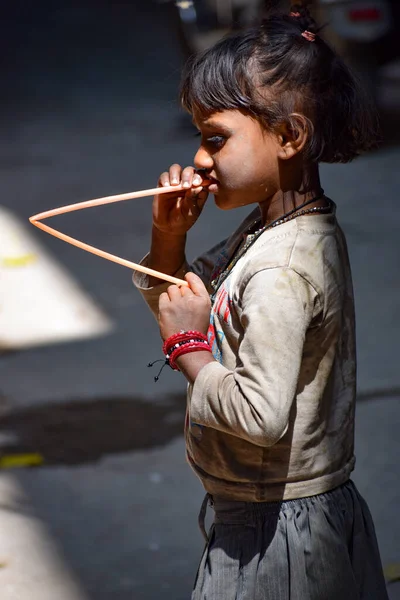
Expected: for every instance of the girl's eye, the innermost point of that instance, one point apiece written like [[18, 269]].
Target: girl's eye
[[215, 140]]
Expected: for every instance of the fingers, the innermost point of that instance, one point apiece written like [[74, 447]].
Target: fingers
[[163, 301], [199, 197], [186, 291], [174, 292], [164, 180], [171, 177], [186, 177], [196, 285], [202, 199], [190, 178], [175, 174]]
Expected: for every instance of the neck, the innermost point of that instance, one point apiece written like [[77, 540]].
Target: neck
[[292, 194]]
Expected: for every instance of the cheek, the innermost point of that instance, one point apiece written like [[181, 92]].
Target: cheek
[[237, 166], [251, 171]]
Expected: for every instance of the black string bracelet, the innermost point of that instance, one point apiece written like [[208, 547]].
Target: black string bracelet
[[163, 360]]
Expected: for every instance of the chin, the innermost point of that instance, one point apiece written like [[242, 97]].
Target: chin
[[223, 205], [224, 202]]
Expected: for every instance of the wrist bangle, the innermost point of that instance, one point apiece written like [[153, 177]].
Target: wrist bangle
[[183, 337], [193, 340], [181, 343], [186, 349]]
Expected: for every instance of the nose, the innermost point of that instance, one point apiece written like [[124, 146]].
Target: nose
[[203, 160]]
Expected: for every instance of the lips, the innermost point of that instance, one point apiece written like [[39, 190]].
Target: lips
[[213, 185]]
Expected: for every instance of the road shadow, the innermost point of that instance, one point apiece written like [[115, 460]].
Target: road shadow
[[114, 495], [77, 432]]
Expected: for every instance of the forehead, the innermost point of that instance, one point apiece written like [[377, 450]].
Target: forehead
[[228, 119], [229, 122]]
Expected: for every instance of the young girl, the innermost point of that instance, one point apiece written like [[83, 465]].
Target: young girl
[[271, 398]]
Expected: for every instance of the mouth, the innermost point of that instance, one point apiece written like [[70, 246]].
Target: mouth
[[214, 184]]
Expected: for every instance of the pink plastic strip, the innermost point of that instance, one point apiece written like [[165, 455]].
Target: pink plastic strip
[[36, 220]]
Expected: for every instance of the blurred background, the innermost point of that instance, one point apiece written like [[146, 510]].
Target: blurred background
[[96, 500]]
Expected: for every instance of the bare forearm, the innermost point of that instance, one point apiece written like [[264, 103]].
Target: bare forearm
[[167, 253], [191, 364]]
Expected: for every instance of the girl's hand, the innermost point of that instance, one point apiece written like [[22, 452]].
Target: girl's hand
[[184, 308], [176, 213]]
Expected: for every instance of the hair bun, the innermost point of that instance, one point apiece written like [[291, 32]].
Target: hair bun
[[302, 15]]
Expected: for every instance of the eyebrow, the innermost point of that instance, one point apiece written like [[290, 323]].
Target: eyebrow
[[212, 123]]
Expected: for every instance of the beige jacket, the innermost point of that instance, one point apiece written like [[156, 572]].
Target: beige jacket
[[273, 417]]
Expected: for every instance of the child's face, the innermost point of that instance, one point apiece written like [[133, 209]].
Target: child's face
[[241, 155]]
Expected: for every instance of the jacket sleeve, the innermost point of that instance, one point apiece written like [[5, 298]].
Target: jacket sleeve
[[202, 266], [152, 294], [253, 401]]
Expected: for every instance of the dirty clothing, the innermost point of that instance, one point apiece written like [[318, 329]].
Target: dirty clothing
[[273, 417]]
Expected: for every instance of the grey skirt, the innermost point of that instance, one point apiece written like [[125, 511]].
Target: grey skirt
[[318, 548]]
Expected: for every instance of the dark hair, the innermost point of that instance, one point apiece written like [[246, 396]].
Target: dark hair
[[273, 71]]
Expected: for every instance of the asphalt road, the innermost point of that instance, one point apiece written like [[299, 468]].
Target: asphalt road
[[89, 109]]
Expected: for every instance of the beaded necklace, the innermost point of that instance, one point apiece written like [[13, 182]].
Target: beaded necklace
[[251, 238]]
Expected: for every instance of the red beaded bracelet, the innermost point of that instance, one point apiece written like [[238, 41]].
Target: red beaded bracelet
[[180, 343], [170, 349], [186, 349], [183, 337]]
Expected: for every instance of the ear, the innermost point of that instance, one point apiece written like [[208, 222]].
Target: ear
[[292, 135]]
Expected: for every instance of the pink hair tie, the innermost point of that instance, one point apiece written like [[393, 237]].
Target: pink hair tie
[[295, 14], [309, 35]]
